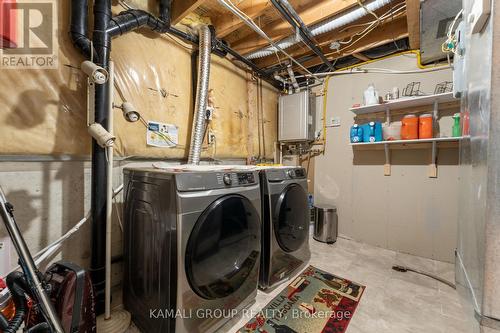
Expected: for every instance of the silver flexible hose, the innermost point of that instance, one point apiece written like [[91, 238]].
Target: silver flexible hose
[[200, 109]]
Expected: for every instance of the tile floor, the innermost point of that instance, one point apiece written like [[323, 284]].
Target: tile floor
[[393, 302]]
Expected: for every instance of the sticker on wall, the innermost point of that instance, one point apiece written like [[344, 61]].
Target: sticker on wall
[[162, 135]]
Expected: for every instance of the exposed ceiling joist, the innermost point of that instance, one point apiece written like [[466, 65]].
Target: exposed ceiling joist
[[224, 25], [181, 8], [361, 56], [310, 11], [387, 33], [413, 14], [325, 40]]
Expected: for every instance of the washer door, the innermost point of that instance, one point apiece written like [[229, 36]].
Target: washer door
[[291, 225], [223, 247]]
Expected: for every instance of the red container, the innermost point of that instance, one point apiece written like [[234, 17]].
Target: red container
[[7, 307], [409, 127], [8, 24]]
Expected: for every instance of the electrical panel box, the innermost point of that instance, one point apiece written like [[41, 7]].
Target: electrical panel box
[[296, 117]]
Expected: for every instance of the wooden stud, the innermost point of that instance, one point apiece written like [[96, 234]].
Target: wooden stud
[[413, 14]]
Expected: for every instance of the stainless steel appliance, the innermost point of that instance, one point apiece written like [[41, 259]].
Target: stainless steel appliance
[[285, 224], [477, 256], [191, 247], [326, 224]]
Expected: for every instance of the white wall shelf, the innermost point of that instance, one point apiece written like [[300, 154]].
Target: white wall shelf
[[408, 141], [406, 103], [403, 104]]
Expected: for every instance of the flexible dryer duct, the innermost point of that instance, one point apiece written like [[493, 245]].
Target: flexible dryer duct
[[205, 49]]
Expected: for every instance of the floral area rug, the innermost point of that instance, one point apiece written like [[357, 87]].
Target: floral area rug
[[315, 302]]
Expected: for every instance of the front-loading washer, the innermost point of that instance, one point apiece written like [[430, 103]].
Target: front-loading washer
[[285, 224], [192, 243]]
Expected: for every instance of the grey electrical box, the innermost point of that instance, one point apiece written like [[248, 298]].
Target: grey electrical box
[[297, 117]]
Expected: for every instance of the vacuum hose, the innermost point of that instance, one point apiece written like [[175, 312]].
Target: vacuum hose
[[15, 282], [4, 323]]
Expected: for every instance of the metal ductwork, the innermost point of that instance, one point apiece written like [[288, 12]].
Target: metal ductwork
[[199, 119], [323, 27]]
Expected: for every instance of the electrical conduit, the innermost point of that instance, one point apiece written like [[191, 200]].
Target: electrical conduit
[[205, 49]]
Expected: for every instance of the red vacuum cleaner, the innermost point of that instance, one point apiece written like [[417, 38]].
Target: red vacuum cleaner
[[59, 301]]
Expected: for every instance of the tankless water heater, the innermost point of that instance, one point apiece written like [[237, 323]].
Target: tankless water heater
[[297, 117]]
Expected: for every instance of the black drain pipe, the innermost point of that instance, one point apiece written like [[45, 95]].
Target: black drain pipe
[[105, 27]]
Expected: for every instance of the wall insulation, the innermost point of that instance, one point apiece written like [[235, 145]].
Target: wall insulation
[[44, 111]]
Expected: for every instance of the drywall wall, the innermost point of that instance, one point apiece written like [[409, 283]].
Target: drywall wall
[[407, 211], [44, 111]]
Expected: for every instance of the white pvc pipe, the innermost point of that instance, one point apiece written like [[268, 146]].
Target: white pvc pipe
[[323, 27], [109, 198]]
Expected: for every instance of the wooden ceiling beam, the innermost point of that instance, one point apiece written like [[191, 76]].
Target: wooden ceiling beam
[[310, 11], [413, 10], [181, 8], [361, 56], [382, 35], [225, 24], [325, 40]]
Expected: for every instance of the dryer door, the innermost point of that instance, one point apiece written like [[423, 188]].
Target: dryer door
[[291, 223], [223, 247]]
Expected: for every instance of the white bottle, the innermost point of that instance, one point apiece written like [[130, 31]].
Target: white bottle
[[370, 96]]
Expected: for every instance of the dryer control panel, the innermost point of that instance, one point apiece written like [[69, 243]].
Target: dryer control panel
[[280, 174], [215, 180]]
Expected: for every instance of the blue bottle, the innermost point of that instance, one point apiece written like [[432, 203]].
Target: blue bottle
[[372, 132], [356, 134]]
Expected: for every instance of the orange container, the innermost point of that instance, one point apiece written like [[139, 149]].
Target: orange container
[[409, 127], [425, 129]]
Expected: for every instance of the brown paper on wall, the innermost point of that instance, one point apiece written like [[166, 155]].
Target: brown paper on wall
[[44, 111]]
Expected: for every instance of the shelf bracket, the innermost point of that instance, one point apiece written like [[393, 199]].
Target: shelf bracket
[[387, 150], [433, 165], [387, 165]]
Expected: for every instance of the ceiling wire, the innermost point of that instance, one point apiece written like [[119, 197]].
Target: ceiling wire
[[369, 29], [248, 21]]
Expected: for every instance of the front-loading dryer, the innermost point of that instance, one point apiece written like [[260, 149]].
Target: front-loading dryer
[[285, 224], [191, 247]]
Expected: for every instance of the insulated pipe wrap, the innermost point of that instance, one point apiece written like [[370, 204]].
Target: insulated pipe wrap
[[205, 49], [323, 27]]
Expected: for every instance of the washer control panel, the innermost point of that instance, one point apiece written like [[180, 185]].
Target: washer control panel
[[236, 178]]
